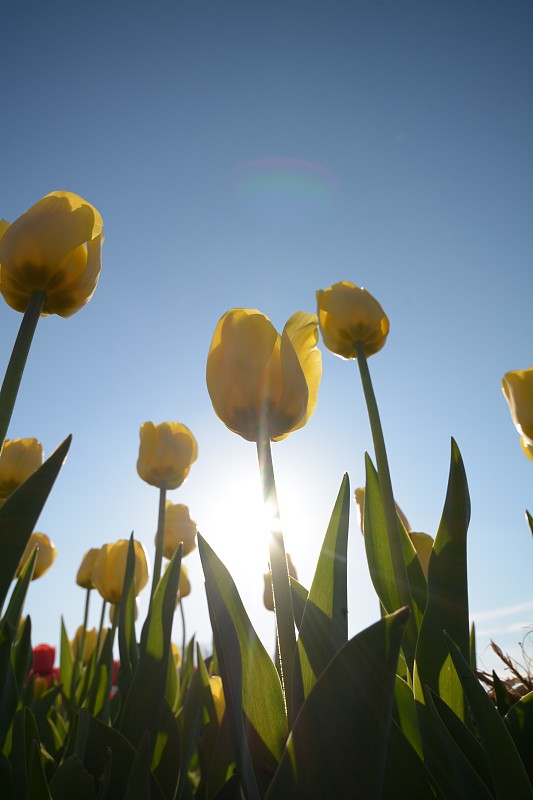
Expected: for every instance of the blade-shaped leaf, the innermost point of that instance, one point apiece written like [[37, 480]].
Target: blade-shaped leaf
[[144, 703], [71, 779], [16, 601], [447, 604], [20, 512], [509, 775], [338, 745], [519, 720], [380, 561], [324, 626], [262, 698]]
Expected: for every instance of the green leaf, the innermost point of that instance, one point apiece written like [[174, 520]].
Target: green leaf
[[231, 671], [22, 656], [189, 721], [144, 704], [299, 596], [404, 713], [503, 698], [8, 685], [20, 512], [459, 774], [381, 564], [324, 625], [98, 698], [338, 745], [127, 643], [508, 772], [447, 604], [16, 602], [71, 779], [106, 744], [138, 786], [262, 697], [66, 662], [519, 720], [405, 773], [38, 784], [167, 757], [529, 520]]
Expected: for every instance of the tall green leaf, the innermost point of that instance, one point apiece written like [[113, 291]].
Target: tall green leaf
[[20, 512], [144, 703], [509, 775], [339, 742], [519, 720], [324, 626], [447, 604], [262, 698]]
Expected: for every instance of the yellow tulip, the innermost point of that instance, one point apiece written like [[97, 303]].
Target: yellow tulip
[[91, 637], [518, 390], [179, 527], [84, 578], [166, 454], [268, 596], [348, 314], [184, 585], [261, 384], [527, 448], [176, 653], [54, 247], [19, 459], [217, 692], [110, 568], [45, 557]]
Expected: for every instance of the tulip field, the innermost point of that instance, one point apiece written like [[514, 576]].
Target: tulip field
[[398, 710]]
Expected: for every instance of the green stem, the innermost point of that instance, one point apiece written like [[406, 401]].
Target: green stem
[[81, 645], [387, 497], [17, 362], [100, 630], [159, 538], [184, 636], [289, 665]]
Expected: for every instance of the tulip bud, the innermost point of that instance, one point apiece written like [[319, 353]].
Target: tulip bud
[[517, 387], [110, 569], [55, 248], [179, 528], [262, 384], [166, 453], [45, 557], [217, 692], [18, 460], [43, 659], [348, 314], [91, 638], [268, 596], [84, 577]]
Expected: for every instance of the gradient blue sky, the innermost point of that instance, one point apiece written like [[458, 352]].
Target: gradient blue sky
[[415, 120]]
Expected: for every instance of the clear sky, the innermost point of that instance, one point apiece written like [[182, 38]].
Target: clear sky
[[245, 154]]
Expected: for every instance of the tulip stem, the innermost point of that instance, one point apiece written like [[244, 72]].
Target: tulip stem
[[17, 362], [290, 673], [80, 650], [387, 497], [159, 538]]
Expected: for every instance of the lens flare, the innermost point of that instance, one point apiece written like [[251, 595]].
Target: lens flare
[[286, 192]]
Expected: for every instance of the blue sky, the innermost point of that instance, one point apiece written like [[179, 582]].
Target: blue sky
[[394, 150]]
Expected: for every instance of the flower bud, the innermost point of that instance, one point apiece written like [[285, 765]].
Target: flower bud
[[348, 314], [179, 527], [19, 459], [217, 692], [110, 569], [517, 387], [262, 384], [84, 578], [45, 557], [55, 248], [166, 453]]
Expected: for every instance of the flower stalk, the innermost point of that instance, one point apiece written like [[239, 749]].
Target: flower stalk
[[387, 496], [159, 538], [285, 632], [17, 362]]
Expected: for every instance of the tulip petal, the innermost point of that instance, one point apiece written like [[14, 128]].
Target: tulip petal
[[517, 387]]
